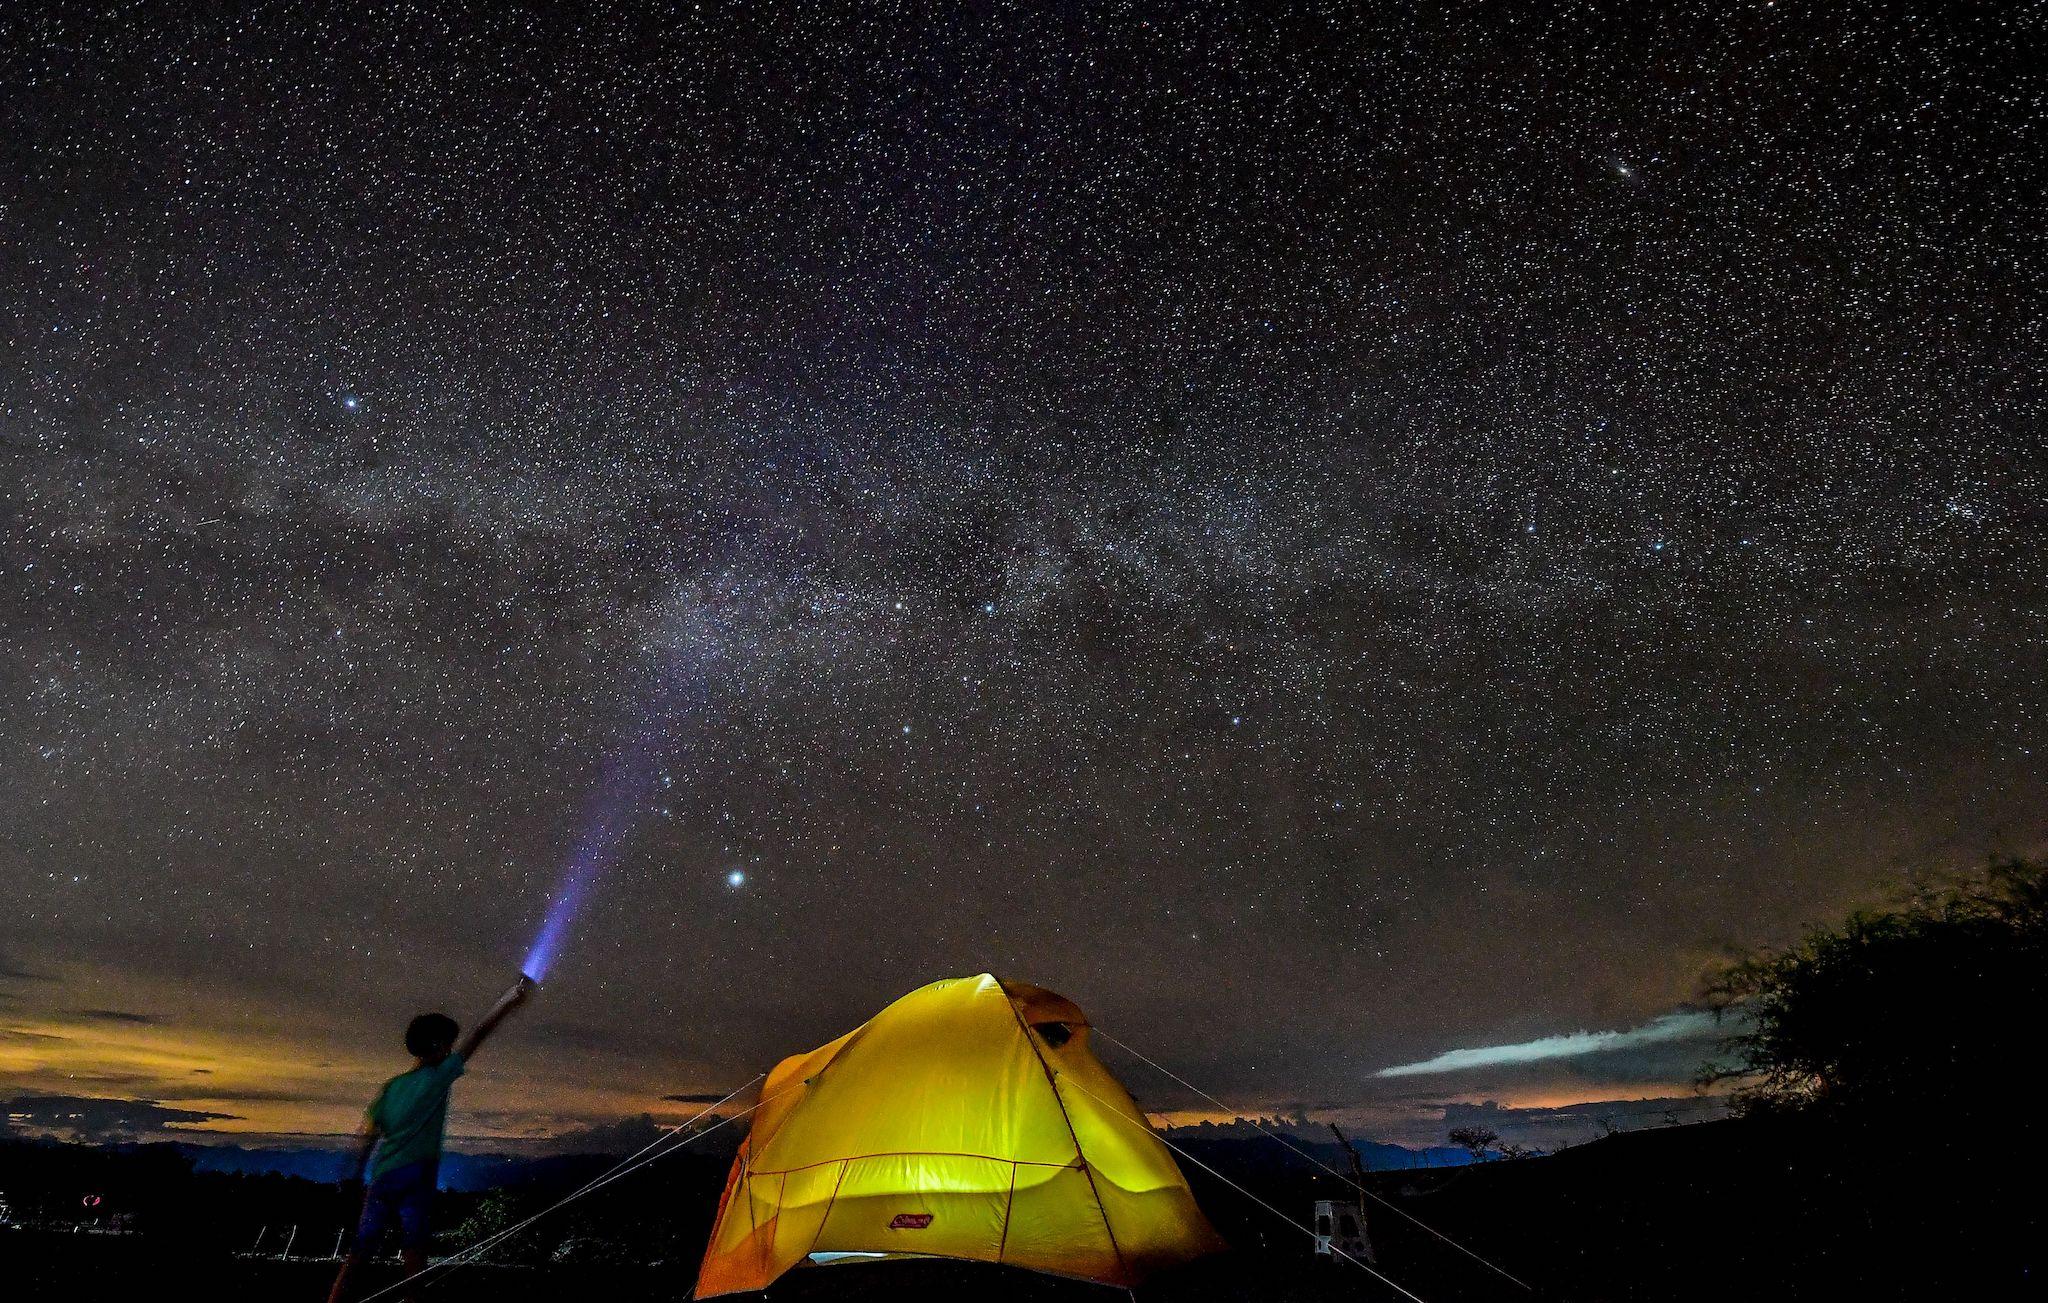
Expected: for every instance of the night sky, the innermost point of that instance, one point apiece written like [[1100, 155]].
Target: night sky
[[1330, 540]]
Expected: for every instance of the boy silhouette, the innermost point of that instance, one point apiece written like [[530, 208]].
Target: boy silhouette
[[403, 1130]]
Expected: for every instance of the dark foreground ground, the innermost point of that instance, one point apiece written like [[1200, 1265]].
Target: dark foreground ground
[[59, 1267], [1721, 1211]]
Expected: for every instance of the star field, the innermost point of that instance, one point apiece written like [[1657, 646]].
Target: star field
[[1323, 536]]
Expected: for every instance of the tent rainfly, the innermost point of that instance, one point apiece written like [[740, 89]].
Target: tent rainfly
[[969, 1119]]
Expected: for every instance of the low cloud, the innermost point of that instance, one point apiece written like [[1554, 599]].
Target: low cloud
[[1683, 1025], [119, 1016], [1570, 1124], [701, 1097], [201, 1091], [99, 1121], [625, 1136], [23, 1034]]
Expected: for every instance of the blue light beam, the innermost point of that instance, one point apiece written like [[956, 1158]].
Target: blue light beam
[[612, 816], [607, 828]]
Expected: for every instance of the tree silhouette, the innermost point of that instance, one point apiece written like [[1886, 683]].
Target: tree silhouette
[[1477, 1140], [1919, 1012]]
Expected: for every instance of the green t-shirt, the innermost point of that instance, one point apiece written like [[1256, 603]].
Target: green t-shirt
[[410, 1113]]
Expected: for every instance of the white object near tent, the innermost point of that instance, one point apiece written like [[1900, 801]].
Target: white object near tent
[[1340, 1231]]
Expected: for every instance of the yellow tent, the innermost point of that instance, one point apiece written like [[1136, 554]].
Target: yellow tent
[[969, 1119]]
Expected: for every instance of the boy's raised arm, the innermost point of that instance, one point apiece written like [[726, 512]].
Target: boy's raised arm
[[512, 999]]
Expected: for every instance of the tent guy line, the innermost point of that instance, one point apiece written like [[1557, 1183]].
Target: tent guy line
[[617, 1171], [654, 1151], [1378, 1275], [1277, 1138]]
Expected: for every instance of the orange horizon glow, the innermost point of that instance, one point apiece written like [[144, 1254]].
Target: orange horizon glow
[[270, 1074]]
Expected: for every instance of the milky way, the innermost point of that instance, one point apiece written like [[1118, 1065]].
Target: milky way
[[1325, 538]]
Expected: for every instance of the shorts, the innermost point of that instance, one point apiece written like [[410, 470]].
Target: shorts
[[404, 1195]]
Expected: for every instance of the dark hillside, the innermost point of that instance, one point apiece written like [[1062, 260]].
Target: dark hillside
[[1772, 1207]]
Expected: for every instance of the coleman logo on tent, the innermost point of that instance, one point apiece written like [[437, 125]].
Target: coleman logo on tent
[[910, 1221]]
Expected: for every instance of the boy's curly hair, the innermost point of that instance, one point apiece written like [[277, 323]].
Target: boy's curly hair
[[430, 1032]]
